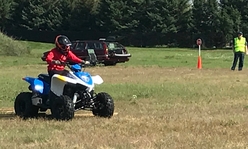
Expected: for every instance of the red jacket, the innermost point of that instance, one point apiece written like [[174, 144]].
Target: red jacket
[[54, 54]]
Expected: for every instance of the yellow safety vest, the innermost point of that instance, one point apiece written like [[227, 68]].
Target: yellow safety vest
[[239, 44]]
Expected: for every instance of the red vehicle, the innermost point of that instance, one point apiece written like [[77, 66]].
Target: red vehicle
[[99, 51]]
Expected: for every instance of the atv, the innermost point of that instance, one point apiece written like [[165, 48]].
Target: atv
[[64, 95]]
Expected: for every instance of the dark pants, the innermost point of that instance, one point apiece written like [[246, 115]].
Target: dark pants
[[238, 56], [53, 72]]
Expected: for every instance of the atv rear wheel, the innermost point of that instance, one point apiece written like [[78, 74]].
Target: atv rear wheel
[[104, 105], [62, 108], [23, 106]]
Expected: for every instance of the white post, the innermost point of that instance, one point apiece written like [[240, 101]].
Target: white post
[[199, 63], [199, 47]]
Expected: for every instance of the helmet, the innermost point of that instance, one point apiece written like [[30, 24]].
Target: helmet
[[63, 43], [240, 33]]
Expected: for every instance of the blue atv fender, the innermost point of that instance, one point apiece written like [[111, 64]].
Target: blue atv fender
[[35, 84]]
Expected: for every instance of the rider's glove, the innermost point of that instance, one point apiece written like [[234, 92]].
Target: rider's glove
[[57, 62], [85, 62]]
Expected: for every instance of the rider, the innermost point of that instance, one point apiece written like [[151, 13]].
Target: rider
[[57, 57]]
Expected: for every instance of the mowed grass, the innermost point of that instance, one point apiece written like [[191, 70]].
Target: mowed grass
[[161, 100]]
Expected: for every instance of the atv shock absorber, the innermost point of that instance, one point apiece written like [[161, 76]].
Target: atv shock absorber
[[75, 97]]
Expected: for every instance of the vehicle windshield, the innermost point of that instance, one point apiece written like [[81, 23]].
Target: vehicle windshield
[[114, 45]]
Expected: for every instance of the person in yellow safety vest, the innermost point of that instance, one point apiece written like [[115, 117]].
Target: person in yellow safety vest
[[239, 50]]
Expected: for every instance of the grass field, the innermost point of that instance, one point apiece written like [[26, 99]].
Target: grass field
[[161, 101]]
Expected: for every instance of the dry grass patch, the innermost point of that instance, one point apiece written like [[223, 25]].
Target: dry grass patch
[[173, 108]]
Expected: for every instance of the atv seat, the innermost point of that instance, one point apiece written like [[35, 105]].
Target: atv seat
[[45, 77]]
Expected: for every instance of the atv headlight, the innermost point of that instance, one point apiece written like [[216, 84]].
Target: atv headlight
[[38, 87]]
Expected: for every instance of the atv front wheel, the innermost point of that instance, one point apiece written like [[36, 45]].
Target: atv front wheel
[[62, 108], [104, 105], [23, 106]]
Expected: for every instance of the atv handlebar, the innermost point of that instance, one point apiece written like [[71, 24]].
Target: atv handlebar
[[68, 64]]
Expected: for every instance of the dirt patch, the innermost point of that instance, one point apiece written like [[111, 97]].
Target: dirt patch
[[9, 112]]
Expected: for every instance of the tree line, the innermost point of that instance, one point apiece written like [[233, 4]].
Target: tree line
[[151, 22]]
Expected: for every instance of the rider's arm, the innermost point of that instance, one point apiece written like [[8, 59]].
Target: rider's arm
[[49, 58], [74, 58]]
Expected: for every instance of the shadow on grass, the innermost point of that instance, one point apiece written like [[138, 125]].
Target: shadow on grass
[[8, 116], [43, 116]]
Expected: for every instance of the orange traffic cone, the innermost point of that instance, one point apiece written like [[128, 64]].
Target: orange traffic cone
[[199, 63]]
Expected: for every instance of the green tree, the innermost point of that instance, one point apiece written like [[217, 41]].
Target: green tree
[[237, 10], [82, 15], [206, 21], [59, 15], [230, 20], [185, 23], [165, 19], [38, 14], [5, 12], [110, 17], [147, 18]]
